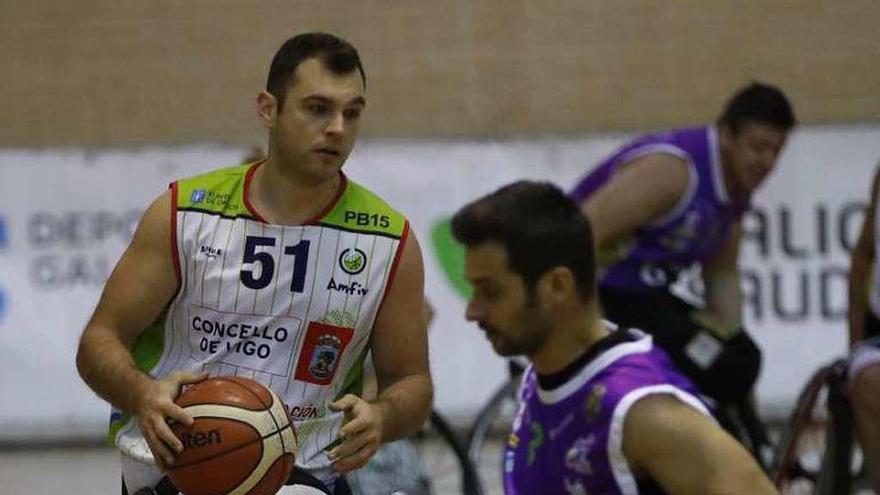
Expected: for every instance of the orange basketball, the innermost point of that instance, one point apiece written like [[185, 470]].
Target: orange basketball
[[242, 441]]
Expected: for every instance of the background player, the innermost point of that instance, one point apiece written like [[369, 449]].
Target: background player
[[864, 336], [666, 201], [313, 263], [600, 412]]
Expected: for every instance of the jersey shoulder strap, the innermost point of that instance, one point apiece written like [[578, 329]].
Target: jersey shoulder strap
[[360, 210], [219, 192]]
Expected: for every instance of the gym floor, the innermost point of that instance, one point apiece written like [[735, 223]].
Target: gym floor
[[73, 470]]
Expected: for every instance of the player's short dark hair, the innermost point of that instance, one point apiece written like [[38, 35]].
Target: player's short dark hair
[[539, 227], [761, 103], [337, 55]]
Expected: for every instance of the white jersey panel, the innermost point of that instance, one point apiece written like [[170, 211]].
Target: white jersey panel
[[874, 289], [289, 306]]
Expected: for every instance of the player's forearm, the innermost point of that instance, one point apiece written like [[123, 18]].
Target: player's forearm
[[106, 365], [724, 298], [858, 297], [405, 406], [747, 478]]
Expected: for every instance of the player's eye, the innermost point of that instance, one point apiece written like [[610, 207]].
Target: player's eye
[[761, 147], [352, 113], [318, 109], [490, 293]]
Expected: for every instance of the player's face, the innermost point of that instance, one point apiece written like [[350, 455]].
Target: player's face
[[751, 154], [501, 304], [316, 128]]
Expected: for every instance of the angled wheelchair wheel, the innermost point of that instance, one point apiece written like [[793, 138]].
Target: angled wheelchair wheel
[[816, 452], [486, 439], [443, 457]]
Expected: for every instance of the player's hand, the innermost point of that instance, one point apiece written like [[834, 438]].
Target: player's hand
[[360, 435], [156, 408], [715, 324]]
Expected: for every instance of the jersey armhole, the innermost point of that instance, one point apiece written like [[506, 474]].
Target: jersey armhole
[[175, 254], [685, 199], [394, 264], [623, 476], [690, 189]]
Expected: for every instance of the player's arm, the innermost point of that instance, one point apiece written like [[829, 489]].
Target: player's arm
[[641, 192], [139, 288], [723, 294], [400, 355], [862, 258], [400, 349], [686, 452]]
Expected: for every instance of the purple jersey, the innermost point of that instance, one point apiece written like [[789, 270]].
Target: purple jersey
[[691, 232], [569, 439]]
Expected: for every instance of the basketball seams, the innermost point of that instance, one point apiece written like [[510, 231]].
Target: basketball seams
[[275, 476], [249, 390], [262, 467], [265, 405], [227, 452], [261, 433], [269, 455], [259, 420], [262, 439], [278, 408]]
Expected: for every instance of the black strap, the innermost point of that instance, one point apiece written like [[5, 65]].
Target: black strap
[[164, 487], [300, 477]]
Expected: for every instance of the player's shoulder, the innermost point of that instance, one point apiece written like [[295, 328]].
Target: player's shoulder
[[638, 367], [359, 195], [360, 209], [678, 137], [218, 176], [875, 184], [666, 401], [660, 418]]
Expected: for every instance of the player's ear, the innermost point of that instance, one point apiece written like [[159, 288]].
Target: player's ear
[[557, 285], [726, 134], [267, 109]]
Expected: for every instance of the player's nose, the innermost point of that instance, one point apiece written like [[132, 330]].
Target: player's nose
[[336, 124], [767, 160], [473, 311]]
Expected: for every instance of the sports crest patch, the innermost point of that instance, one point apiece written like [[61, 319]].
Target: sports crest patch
[[321, 351]]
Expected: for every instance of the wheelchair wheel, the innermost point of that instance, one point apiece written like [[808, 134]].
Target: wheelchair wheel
[[444, 459], [816, 453], [431, 462], [488, 434]]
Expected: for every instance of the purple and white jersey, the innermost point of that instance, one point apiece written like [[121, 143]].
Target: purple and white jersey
[[691, 232], [569, 439]]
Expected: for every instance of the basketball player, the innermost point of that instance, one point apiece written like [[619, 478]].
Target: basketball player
[[600, 411], [667, 201], [864, 336], [284, 271]]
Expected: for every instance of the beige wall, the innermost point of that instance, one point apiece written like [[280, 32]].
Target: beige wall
[[108, 72]]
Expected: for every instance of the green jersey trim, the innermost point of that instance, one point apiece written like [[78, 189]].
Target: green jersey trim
[[116, 424], [219, 192], [353, 383], [359, 210], [224, 192]]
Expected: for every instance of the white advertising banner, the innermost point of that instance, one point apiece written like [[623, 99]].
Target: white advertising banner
[[66, 216]]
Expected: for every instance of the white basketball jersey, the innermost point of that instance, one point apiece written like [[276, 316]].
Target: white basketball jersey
[[291, 307]]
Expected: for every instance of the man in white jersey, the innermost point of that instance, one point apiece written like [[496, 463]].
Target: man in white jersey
[[864, 336], [283, 271]]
